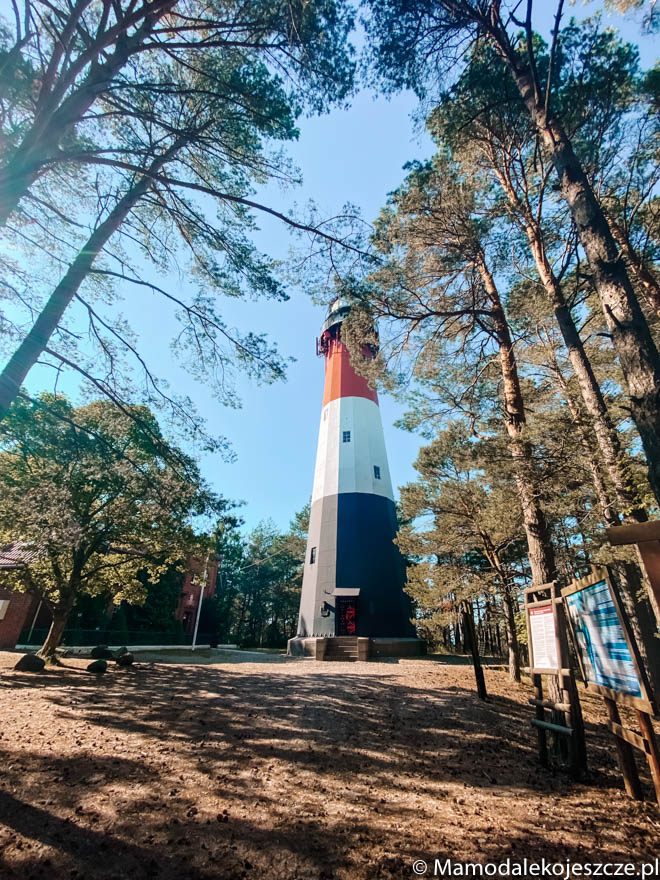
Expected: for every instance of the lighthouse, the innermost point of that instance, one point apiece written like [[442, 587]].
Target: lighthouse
[[354, 575]]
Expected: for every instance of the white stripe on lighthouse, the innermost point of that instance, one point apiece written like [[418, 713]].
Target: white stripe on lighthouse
[[348, 466]]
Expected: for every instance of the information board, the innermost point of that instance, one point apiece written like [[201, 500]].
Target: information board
[[601, 640], [543, 637]]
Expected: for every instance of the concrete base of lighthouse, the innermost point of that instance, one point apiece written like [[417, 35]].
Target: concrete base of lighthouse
[[368, 648]]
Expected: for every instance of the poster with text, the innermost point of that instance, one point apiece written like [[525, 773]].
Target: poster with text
[[601, 641], [543, 637]]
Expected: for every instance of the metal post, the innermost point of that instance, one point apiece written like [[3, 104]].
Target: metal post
[[34, 620], [201, 597]]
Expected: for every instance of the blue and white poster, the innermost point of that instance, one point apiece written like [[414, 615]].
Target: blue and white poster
[[601, 641]]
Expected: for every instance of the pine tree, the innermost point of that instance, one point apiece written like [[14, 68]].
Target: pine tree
[[415, 43]]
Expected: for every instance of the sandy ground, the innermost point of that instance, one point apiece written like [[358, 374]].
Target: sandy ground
[[263, 767]]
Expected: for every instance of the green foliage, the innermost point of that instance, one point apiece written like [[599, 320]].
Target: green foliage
[[156, 614], [271, 580], [230, 549], [186, 126], [646, 11], [521, 628], [258, 584], [415, 43], [107, 507], [465, 530], [119, 624], [596, 81], [489, 198], [210, 619]]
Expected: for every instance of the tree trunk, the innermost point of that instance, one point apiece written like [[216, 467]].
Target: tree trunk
[[467, 616], [511, 634], [541, 551], [32, 347], [539, 545], [592, 395], [644, 275], [459, 641], [608, 509], [606, 434], [638, 607], [488, 641], [637, 353], [446, 638], [61, 614], [509, 606], [642, 619]]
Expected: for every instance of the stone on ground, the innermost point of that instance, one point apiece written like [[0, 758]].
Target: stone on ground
[[30, 663]]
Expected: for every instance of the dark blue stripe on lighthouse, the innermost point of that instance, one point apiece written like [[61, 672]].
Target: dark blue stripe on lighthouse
[[368, 559]]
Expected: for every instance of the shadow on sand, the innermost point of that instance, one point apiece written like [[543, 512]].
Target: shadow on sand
[[210, 771]]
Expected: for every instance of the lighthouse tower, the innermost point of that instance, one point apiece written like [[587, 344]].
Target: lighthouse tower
[[354, 574]]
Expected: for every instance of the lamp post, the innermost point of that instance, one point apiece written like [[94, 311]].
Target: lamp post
[[201, 597], [203, 586]]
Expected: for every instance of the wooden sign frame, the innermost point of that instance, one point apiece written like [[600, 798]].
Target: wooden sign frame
[[646, 537], [569, 733], [541, 605], [643, 703], [626, 739]]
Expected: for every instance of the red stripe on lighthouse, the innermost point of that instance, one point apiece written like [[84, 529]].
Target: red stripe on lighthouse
[[341, 380]]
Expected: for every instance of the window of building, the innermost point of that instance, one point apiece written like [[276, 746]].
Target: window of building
[[376, 472], [347, 436], [312, 555]]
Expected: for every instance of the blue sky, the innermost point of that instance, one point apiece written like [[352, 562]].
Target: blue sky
[[354, 155], [346, 156]]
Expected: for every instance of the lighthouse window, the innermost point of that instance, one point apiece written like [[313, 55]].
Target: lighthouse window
[[312, 555], [376, 472], [347, 436]]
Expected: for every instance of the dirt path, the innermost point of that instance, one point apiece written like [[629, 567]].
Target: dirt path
[[290, 769]]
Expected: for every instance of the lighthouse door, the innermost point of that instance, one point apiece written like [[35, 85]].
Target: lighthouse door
[[346, 616]]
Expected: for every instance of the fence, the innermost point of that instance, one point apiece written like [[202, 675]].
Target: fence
[[74, 638]]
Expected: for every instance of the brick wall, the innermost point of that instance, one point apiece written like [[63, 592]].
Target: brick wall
[[187, 608], [19, 614]]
